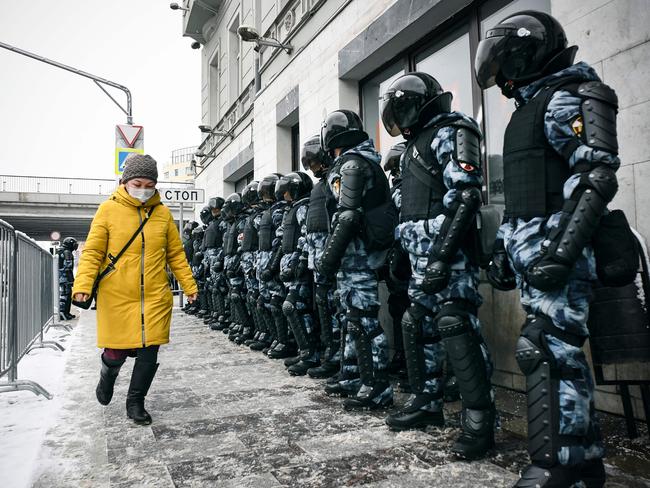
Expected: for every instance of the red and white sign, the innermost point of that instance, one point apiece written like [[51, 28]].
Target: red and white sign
[[129, 133]]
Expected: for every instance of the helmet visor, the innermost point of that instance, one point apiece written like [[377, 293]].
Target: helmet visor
[[487, 63], [266, 190], [400, 110]]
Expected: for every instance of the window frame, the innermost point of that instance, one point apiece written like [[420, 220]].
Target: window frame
[[466, 20]]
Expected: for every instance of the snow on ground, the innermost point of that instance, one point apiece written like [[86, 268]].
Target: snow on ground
[[24, 416]]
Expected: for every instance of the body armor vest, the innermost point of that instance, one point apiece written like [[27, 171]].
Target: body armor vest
[[291, 227], [249, 242], [533, 172], [265, 233], [322, 206], [422, 186], [213, 236], [230, 239]]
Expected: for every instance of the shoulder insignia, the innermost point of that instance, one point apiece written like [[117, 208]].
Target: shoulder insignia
[[466, 166], [577, 125]]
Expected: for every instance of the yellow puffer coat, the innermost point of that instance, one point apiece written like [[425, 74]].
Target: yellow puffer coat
[[128, 317]]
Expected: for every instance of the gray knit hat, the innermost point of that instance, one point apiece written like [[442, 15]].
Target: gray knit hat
[[139, 166]]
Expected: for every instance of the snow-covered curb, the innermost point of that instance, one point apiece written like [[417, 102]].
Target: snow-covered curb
[[25, 417]]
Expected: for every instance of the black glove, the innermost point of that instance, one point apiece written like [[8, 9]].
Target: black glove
[[499, 273], [436, 276], [287, 274], [266, 275], [547, 274], [325, 270], [301, 267]]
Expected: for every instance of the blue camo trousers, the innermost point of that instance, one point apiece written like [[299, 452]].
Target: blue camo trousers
[[417, 240], [568, 308], [357, 289]]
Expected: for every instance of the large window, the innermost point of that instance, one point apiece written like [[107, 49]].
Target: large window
[[497, 107], [241, 184], [449, 58]]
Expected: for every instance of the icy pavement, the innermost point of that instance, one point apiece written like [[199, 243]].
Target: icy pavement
[[225, 416]]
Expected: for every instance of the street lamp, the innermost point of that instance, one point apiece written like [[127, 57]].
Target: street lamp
[[250, 34], [206, 129], [175, 6]]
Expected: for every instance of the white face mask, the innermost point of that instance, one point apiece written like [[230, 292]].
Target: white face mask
[[142, 194]]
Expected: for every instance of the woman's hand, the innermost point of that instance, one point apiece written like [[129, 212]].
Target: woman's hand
[[192, 298], [81, 297]]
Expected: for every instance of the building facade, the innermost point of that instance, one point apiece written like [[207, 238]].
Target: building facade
[[344, 54], [181, 165]]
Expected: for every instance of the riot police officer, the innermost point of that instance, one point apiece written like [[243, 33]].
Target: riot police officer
[[66, 276], [188, 247], [441, 193], [237, 292], [270, 287], [250, 251], [397, 271], [560, 155], [198, 270], [205, 306], [322, 206], [362, 232], [297, 306], [214, 250]]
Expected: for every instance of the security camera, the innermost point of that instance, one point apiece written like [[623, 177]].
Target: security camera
[[199, 154], [195, 45], [205, 128], [174, 6], [248, 33]]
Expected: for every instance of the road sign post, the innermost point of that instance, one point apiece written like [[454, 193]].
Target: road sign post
[[181, 196], [128, 139]]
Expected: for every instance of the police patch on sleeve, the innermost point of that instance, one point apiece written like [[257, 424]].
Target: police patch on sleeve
[[470, 168], [577, 125]]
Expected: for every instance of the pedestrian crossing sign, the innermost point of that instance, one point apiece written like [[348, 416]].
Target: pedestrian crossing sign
[[121, 153]]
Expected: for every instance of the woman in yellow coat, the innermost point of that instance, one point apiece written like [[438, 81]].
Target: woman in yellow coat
[[134, 301]]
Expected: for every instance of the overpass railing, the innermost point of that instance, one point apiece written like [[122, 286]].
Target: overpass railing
[[74, 186], [27, 304]]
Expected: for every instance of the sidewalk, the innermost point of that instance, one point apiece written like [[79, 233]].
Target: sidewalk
[[225, 416]]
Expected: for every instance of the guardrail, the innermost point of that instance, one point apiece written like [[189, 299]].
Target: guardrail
[[73, 186], [27, 304]]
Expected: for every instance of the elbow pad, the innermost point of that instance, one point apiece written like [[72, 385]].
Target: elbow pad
[[456, 224], [353, 183], [582, 214], [347, 227]]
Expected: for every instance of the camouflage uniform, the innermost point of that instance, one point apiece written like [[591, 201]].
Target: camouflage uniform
[[218, 277], [358, 295], [66, 278], [272, 291], [417, 238], [299, 291], [249, 263], [567, 307], [236, 285]]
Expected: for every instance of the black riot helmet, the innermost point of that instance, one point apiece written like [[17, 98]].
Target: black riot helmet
[[520, 49], [233, 206], [313, 153], [266, 187], [249, 194], [390, 160], [189, 227], [205, 215], [342, 128], [198, 232], [215, 203], [298, 185], [70, 243], [411, 101]]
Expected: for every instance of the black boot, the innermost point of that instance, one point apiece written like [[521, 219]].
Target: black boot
[[477, 436], [141, 378], [325, 370], [413, 417], [107, 377], [557, 476], [369, 397], [592, 473]]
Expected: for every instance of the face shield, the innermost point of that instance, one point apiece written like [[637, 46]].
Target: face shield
[[400, 110]]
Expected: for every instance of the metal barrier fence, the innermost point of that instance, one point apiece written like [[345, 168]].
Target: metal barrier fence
[[27, 304]]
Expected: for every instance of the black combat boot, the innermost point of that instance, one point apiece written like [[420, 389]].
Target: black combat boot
[[411, 416], [107, 377], [327, 369], [141, 378], [477, 435]]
